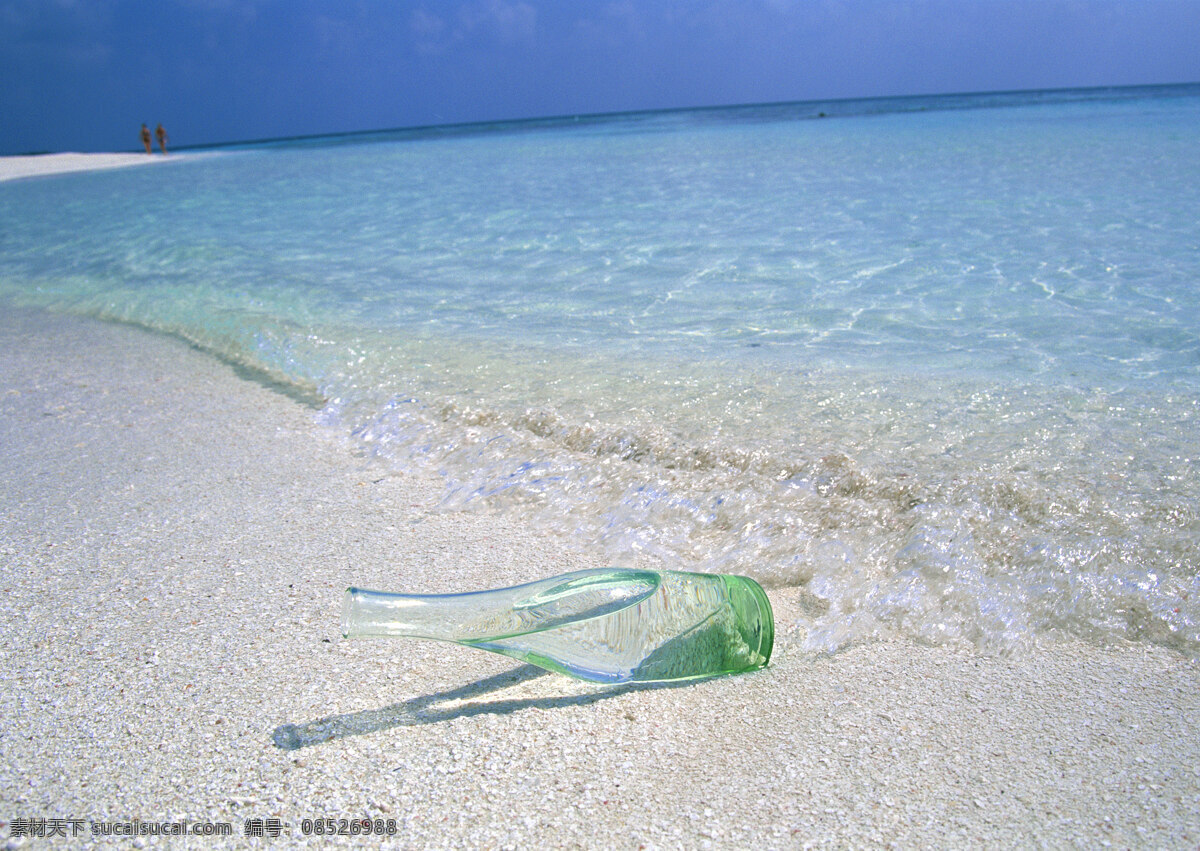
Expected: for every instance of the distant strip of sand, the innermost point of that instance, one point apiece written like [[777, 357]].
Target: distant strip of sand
[[37, 165]]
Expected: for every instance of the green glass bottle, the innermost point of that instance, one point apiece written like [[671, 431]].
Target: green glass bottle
[[611, 626]]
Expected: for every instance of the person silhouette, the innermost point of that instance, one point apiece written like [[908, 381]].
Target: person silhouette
[[146, 137], [162, 138]]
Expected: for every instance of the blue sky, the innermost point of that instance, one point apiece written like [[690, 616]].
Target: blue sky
[[84, 74]]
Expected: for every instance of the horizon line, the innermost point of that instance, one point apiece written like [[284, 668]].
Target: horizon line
[[468, 127], [464, 128]]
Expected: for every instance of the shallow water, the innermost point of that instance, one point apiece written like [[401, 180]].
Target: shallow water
[[935, 359]]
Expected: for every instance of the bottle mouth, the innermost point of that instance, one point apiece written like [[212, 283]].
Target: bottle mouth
[[348, 613], [347, 602]]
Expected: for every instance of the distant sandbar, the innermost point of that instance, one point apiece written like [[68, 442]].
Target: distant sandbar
[[37, 165]]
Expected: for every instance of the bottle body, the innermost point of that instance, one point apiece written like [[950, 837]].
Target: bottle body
[[614, 625]]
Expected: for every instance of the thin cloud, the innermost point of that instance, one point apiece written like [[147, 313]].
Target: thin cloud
[[497, 21]]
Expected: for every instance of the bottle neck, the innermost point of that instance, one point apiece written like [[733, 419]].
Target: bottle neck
[[497, 614]]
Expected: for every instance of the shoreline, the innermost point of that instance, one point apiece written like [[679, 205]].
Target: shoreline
[[174, 541], [41, 165]]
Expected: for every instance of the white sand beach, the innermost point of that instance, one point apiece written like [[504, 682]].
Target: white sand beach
[[37, 165], [174, 543]]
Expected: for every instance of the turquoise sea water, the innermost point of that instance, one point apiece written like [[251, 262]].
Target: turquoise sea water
[[935, 359]]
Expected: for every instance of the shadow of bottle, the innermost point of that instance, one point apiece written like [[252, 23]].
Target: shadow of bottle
[[446, 706]]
